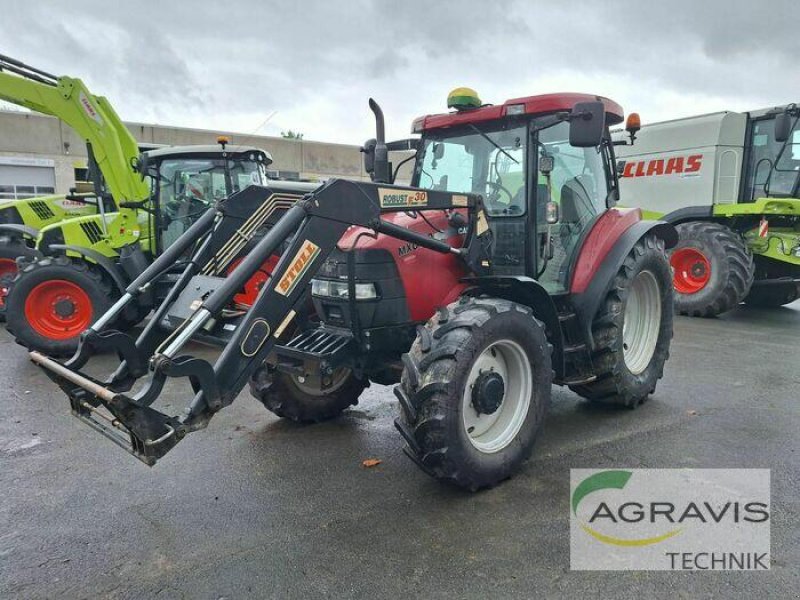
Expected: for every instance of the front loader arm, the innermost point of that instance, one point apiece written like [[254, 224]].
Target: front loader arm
[[313, 227], [92, 118]]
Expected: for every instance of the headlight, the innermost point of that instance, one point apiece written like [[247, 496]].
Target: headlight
[[339, 289]]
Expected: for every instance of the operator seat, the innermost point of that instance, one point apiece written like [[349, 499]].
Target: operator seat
[[576, 208]]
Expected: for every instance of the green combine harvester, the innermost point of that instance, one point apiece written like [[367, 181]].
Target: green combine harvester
[[72, 268], [730, 183]]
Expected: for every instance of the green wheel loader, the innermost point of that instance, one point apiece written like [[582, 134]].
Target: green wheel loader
[[80, 265]]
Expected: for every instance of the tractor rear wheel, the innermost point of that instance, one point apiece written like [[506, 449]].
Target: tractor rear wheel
[[772, 296], [712, 269], [10, 250], [300, 399], [52, 300], [474, 391], [633, 329]]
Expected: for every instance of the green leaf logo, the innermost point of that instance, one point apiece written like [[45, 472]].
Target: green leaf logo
[[611, 480]]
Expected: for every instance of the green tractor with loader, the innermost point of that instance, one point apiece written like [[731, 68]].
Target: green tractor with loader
[[142, 202], [730, 183]]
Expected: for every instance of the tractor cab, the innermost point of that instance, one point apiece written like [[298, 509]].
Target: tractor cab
[[186, 180], [522, 158]]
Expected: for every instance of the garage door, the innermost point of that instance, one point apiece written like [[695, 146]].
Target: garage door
[[26, 178]]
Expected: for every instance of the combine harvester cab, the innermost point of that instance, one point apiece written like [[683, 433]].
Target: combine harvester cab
[[729, 182]]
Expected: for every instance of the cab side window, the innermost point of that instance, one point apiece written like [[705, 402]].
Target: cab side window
[[577, 183]]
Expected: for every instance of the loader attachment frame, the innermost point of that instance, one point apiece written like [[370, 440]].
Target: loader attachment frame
[[312, 227]]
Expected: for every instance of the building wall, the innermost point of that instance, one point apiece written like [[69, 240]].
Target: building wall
[[36, 136]]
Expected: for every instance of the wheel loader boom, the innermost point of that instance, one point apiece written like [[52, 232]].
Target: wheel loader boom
[[92, 117]]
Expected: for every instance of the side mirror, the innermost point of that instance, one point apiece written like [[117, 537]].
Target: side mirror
[[369, 155], [587, 122], [552, 213], [783, 127], [141, 165]]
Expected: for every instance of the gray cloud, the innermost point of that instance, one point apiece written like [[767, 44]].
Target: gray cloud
[[229, 65]]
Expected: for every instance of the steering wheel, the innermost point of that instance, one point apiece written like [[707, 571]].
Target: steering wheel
[[498, 187], [185, 206]]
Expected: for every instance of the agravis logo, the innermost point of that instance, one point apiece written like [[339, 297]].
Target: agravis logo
[[670, 519], [611, 480]]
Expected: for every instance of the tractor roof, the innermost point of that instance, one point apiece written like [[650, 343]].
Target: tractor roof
[[530, 105], [207, 150]]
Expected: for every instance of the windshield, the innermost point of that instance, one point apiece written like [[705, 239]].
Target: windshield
[[490, 162], [204, 179], [188, 186], [787, 168], [771, 170]]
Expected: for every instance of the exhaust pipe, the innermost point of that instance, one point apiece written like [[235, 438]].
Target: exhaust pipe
[[382, 172]]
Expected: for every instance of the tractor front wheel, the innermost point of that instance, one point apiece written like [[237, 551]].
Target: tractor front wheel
[[52, 300], [772, 296], [712, 269], [633, 329], [301, 399], [474, 391], [10, 250]]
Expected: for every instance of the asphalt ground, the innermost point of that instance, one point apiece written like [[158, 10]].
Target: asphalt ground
[[257, 507]]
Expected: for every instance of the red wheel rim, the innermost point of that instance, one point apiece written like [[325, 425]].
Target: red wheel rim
[[8, 266], [691, 270], [58, 309]]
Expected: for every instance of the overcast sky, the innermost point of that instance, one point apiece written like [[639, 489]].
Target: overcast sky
[[229, 65]]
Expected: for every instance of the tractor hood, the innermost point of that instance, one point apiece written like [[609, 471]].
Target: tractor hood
[[103, 235], [42, 211]]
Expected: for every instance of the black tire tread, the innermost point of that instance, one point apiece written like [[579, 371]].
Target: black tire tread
[[13, 248], [611, 385], [277, 393], [428, 390], [741, 268], [79, 266]]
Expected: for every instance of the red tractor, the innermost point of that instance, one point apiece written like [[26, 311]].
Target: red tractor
[[503, 269]]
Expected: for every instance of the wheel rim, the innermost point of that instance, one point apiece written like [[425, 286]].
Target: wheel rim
[[7, 266], [642, 322], [58, 309], [691, 270], [312, 384], [492, 432]]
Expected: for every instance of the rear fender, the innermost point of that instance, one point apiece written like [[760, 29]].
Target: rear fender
[[108, 266], [599, 260], [23, 231], [528, 292]]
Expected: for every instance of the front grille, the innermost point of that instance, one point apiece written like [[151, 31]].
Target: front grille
[[92, 231], [42, 211]]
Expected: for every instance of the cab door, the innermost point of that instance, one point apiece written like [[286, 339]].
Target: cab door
[[578, 184]]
